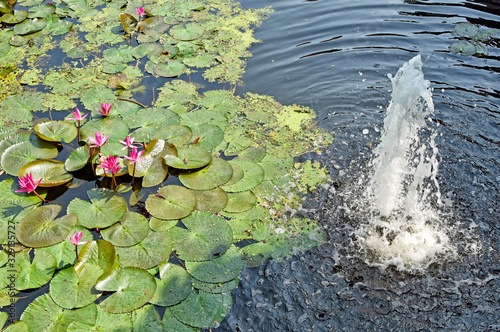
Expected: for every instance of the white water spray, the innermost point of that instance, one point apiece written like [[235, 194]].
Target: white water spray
[[405, 228]]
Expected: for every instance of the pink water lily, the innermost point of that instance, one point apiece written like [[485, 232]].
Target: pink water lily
[[75, 239], [78, 117], [140, 11], [134, 157], [128, 142], [99, 140], [110, 164], [105, 107], [28, 185]]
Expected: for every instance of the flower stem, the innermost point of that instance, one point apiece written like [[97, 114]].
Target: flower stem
[[133, 174]]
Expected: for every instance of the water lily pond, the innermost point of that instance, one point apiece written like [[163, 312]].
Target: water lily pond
[[136, 184]]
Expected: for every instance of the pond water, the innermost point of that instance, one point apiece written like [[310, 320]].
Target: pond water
[[334, 56]]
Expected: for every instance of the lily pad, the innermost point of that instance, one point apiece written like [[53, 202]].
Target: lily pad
[[52, 172], [216, 288], [155, 174], [103, 322], [198, 310], [253, 174], [115, 128], [466, 29], [40, 228], [129, 23], [56, 131], [207, 236], [240, 201], [77, 159], [155, 248], [177, 134], [173, 286], [34, 274], [170, 323], [131, 229], [17, 17], [210, 135], [215, 174], [105, 208], [29, 26], [189, 31], [275, 167], [147, 48], [171, 68], [100, 253], [189, 157], [175, 202], [160, 225], [223, 269], [146, 319], [134, 287], [41, 314], [41, 11], [70, 289], [214, 200], [18, 155]]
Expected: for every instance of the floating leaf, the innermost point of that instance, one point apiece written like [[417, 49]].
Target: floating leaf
[[155, 174], [147, 48], [155, 248], [199, 310], [40, 228], [240, 201], [175, 202], [173, 286], [34, 274], [104, 322], [100, 253], [56, 131], [41, 314], [190, 31], [51, 172], [85, 315], [115, 128], [93, 97], [146, 319], [215, 174], [214, 200], [171, 68], [466, 29], [217, 288], [77, 159], [171, 323], [149, 121], [18, 155], [18, 326], [210, 135], [105, 208], [134, 287], [253, 174], [464, 47], [131, 229], [207, 236], [223, 269], [160, 225], [177, 135], [70, 289], [129, 23], [275, 167], [29, 26], [189, 157], [42, 11], [17, 17]]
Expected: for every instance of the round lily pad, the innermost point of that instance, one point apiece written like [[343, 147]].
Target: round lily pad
[[131, 229], [207, 236], [177, 135], [173, 286], [134, 287], [160, 225], [155, 174], [115, 128], [175, 202], [17, 17], [215, 174], [240, 201], [77, 159], [104, 209], [216, 288], [214, 200], [189, 157], [70, 289], [41, 11], [40, 228], [253, 174], [100, 253], [223, 269], [171, 323], [145, 49], [18, 155], [34, 274], [275, 167], [155, 248], [189, 31], [29, 26], [147, 319], [237, 174], [467, 29], [41, 313], [210, 135], [51, 172], [171, 68], [252, 154], [198, 310]]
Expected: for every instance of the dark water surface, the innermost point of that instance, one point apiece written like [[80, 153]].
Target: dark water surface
[[334, 56]]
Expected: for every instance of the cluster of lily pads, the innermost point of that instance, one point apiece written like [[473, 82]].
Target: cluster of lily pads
[[473, 39]]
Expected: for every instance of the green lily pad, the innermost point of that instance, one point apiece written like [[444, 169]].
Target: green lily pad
[[17, 17], [29, 26], [34, 274], [466, 29], [253, 174], [155, 174], [215, 174], [131, 229], [203, 116], [170, 323], [177, 135], [252, 154], [18, 326], [100, 253], [145, 49], [198, 310], [97, 94], [146, 319], [173, 286], [134, 287], [41, 11], [275, 167], [85, 315], [190, 31], [464, 48], [120, 55], [171, 68], [149, 121], [155, 248], [237, 174], [214, 200], [207, 236], [189, 157], [103, 322], [56, 131], [105, 208], [70, 289], [129, 23], [40, 228], [223, 269], [41, 314], [18, 155], [51, 172], [240, 201], [77, 159], [115, 128], [217, 288], [160, 225], [175, 202], [155, 148], [210, 135]]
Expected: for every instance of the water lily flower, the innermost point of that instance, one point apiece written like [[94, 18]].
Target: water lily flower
[[110, 164], [134, 157], [75, 239], [105, 107], [140, 12], [28, 185], [99, 140], [78, 117], [128, 142]]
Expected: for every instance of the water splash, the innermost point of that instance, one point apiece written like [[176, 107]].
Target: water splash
[[405, 227]]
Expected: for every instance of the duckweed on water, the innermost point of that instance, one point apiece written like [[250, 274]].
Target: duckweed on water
[[216, 169]]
